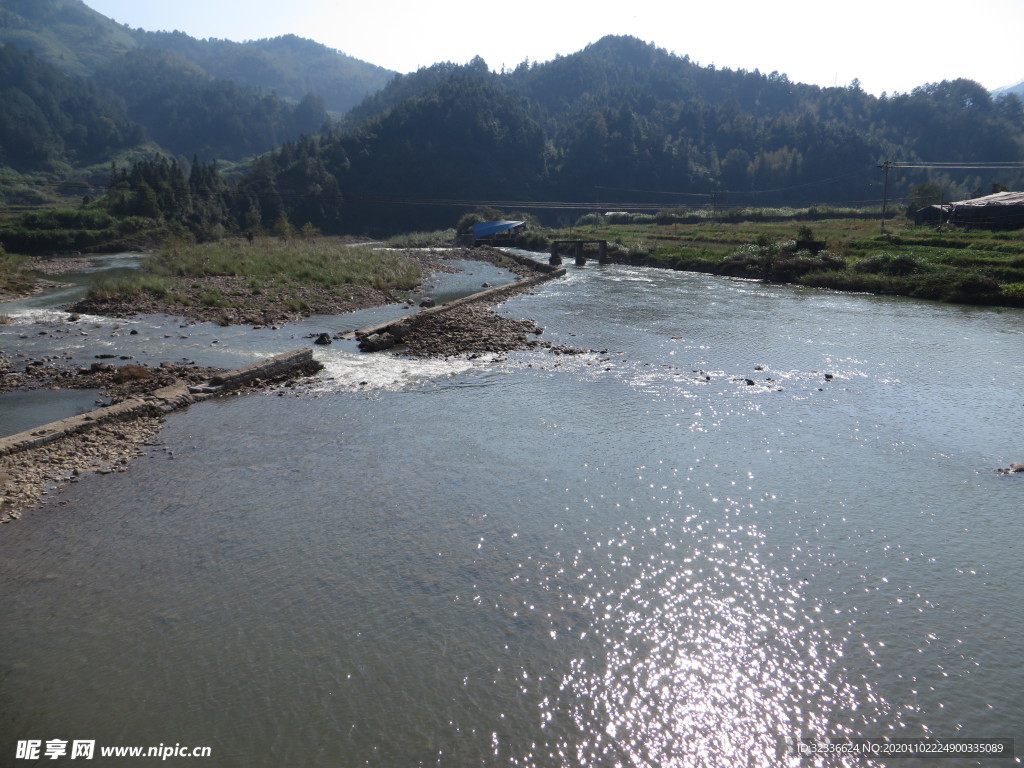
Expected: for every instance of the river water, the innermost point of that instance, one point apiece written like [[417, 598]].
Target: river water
[[631, 557]]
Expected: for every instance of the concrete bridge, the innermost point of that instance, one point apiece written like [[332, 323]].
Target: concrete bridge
[[576, 247]]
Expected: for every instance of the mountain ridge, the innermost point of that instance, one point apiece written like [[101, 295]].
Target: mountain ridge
[[620, 121]]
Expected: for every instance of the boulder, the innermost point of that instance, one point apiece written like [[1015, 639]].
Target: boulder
[[400, 330], [376, 342], [426, 301], [323, 338]]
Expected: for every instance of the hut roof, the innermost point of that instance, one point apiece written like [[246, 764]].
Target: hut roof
[[1002, 210], [999, 198], [486, 228]]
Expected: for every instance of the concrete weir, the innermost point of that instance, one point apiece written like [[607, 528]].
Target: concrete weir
[[160, 401]]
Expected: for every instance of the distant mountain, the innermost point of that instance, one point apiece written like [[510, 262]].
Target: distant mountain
[[290, 66], [211, 98], [65, 33], [79, 41], [1017, 89]]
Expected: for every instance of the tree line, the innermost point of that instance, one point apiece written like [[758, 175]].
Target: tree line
[[618, 122]]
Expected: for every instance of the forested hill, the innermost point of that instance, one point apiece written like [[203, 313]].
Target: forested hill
[[621, 122], [79, 89], [79, 41], [625, 122], [290, 66], [54, 123]]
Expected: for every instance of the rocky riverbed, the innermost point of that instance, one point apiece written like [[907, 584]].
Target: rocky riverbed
[[117, 382], [473, 329], [27, 478]]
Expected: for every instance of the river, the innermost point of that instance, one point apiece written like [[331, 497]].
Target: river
[[631, 557]]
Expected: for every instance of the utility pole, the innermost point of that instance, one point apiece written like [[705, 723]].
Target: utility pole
[[716, 197], [886, 165]]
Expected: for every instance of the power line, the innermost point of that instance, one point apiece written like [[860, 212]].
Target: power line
[[996, 165]]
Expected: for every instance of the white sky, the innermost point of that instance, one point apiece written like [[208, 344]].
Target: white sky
[[889, 45]]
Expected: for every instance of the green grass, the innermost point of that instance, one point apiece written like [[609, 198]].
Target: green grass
[[439, 238], [324, 261], [270, 267], [14, 275], [129, 288]]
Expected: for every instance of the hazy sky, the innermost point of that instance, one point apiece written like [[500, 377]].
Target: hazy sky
[[889, 45]]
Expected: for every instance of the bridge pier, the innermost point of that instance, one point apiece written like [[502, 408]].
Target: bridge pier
[[577, 251], [555, 259]]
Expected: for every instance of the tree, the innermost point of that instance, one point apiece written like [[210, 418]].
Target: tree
[[923, 195], [283, 227]]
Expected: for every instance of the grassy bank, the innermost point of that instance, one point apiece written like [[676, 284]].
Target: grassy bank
[[976, 267], [324, 261], [267, 279], [15, 279]]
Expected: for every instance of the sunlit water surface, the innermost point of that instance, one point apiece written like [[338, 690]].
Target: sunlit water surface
[[629, 557]]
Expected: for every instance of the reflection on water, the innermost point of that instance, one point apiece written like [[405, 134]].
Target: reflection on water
[[632, 557], [706, 652]]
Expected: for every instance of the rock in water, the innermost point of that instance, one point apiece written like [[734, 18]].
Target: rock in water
[[376, 342]]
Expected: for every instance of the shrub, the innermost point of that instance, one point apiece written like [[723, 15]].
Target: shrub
[[531, 240], [127, 288], [890, 264], [211, 296], [972, 287], [787, 267], [1013, 293]]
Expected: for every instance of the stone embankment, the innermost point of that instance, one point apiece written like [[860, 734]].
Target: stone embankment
[[105, 439]]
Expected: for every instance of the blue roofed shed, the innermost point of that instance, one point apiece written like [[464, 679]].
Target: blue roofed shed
[[483, 229]]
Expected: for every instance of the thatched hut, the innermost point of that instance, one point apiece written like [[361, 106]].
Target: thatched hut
[[1002, 210]]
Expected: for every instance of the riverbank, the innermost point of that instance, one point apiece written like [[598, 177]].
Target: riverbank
[[844, 254], [27, 478], [20, 275]]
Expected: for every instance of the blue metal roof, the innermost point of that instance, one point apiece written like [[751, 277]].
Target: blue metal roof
[[485, 228]]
